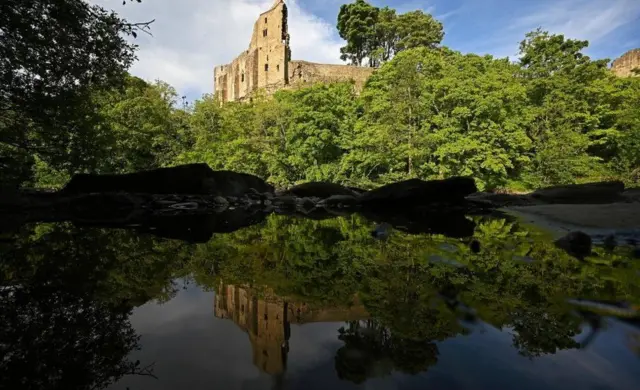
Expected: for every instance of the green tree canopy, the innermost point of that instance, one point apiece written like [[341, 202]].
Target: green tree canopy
[[378, 34], [53, 54]]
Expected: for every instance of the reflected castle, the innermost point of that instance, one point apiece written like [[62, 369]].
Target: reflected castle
[[267, 319]]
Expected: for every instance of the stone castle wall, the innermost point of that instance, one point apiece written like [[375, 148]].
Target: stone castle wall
[[267, 63], [303, 72], [624, 66], [263, 64], [268, 320]]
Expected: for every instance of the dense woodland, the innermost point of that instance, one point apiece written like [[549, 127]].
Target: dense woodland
[[552, 115]]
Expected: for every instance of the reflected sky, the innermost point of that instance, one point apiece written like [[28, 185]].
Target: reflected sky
[[192, 349]]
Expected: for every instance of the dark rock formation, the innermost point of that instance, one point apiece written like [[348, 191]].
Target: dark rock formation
[[577, 244], [423, 221], [632, 195], [590, 193], [415, 192], [493, 200], [184, 179], [320, 190], [339, 201], [10, 197]]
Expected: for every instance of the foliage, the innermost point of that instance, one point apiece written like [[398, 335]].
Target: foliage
[[554, 117], [417, 289], [356, 25], [378, 34], [439, 113], [53, 54], [572, 102]]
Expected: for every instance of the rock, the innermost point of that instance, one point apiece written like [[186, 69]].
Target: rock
[[632, 195], [284, 202], [357, 191], [317, 189], [590, 193], [414, 192], [221, 201], [183, 179], [10, 198], [306, 205], [577, 244], [494, 200], [338, 201], [184, 206], [423, 221], [382, 231]]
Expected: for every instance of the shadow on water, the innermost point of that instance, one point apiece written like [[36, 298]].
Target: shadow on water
[[67, 290]]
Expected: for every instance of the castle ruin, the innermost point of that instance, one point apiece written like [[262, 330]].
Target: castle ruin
[[268, 318], [624, 66], [267, 64]]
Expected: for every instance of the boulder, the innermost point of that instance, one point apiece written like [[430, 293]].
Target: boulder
[[338, 201], [357, 191], [632, 195], [577, 244], [320, 190], [10, 198], [183, 179], [414, 192], [590, 193], [423, 221], [494, 200]]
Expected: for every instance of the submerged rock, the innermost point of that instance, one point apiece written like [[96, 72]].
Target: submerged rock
[[592, 193], [183, 179], [320, 190], [414, 192], [577, 244]]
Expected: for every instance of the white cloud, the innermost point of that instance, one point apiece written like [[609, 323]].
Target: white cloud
[[191, 37], [592, 20]]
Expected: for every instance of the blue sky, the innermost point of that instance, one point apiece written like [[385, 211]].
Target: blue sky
[[190, 37], [496, 26]]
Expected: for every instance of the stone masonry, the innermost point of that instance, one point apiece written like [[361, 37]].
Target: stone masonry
[[267, 319], [624, 66], [267, 64]]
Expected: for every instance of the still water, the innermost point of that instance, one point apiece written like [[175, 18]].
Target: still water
[[298, 303]]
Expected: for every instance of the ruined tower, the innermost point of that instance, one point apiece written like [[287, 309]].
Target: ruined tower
[[625, 65], [264, 64], [267, 64]]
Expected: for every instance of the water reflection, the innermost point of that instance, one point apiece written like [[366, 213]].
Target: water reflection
[[268, 321], [394, 307]]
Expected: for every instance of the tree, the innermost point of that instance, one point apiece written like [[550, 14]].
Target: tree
[[438, 113], [626, 156], [52, 55], [356, 25], [417, 29], [386, 38], [141, 126], [569, 109], [378, 34]]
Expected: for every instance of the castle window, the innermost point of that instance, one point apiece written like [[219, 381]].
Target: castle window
[[265, 20], [267, 58], [242, 77], [278, 67], [264, 32], [266, 67]]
